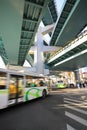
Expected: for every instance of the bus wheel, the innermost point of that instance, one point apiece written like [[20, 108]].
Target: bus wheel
[[44, 94]]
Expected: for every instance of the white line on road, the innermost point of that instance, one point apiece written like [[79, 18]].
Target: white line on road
[[76, 118], [75, 103], [70, 127], [76, 109], [72, 100]]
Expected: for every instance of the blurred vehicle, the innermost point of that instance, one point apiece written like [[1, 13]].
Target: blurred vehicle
[[61, 84]]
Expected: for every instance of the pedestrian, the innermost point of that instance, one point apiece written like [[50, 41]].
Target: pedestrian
[[78, 85]]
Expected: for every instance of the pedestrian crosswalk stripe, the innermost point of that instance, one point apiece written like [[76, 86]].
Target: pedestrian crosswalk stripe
[[76, 109], [70, 127], [72, 100], [77, 104], [76, 118]]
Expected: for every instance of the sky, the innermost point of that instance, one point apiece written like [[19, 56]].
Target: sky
[[2, 65], [59, 4], [26, 64]]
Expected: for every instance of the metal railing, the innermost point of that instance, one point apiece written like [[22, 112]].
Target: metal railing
[[81, 35]]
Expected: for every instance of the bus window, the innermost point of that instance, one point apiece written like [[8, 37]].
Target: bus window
[[28, 85], [12, 89], [20, 87], [2, 80], [41, 83], [16, 87]]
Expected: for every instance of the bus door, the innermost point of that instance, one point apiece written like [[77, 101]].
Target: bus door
[[3, 90], [16, 89]]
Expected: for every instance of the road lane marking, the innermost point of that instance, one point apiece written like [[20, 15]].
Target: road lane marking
[[76, 118], [72, 100], [70, 127], [76, 103], [76, 109]]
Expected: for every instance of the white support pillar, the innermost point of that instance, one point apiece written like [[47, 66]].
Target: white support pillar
[[38, 55], [77, 75], [38, 50]]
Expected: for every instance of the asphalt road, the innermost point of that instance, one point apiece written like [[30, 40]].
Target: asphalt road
[[61, 110]]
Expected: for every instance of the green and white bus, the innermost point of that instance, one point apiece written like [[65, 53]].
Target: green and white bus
[[61, 84], [17, 87]]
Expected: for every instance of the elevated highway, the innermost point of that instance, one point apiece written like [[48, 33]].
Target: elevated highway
[[69, 25], [19, 22], [71, 57]]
